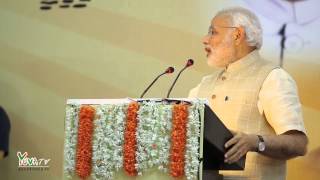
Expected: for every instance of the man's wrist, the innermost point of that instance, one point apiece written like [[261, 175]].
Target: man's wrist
[[258, 140], [255, 142]]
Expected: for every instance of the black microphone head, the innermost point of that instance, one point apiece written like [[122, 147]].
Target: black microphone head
[[189, 62], [169, 70]]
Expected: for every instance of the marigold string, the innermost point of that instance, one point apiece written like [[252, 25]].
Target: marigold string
[[130, 140], [84, 146], [178, 140]]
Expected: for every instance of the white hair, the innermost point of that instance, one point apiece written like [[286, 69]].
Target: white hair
[[240, 16]]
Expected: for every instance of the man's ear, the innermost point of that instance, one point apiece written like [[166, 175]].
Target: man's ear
[[239, 35]]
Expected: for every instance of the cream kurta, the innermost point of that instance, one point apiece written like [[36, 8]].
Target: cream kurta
[[255, 97]]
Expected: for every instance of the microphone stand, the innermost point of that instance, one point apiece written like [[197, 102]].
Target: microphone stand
[[168, 71], [189, 63], [146, 90]]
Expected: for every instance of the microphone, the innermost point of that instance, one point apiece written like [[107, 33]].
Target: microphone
[[169, 70], [189, 63]]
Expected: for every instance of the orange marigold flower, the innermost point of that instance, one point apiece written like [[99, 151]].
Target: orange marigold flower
[[130, 140], [178, 139], [84, 146]]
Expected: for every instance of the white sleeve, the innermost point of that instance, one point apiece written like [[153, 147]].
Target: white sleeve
[[279, 101], [193, 93]]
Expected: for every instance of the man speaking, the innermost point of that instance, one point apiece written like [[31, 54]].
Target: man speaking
[[255, 99]]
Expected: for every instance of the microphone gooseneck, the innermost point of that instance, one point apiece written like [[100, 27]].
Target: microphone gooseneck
[[189, 63], [169, 70]]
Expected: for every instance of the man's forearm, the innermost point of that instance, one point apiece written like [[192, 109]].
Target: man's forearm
[[286, 146]]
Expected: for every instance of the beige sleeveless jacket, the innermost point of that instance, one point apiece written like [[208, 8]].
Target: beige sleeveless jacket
[[233, 96]]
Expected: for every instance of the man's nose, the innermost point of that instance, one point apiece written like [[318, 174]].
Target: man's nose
[[205, 39]]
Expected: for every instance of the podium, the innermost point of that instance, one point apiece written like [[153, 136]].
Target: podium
[[168, 138]]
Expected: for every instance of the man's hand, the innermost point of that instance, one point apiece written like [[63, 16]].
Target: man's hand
[[242, 143], [287, 145]]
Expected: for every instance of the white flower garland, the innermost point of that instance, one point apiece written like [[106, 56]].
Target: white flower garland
[[153, 137], [164, 136], [71, 134], [193, 141], [108, 140]]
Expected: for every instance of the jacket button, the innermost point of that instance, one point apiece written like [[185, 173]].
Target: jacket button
[[223, 78], [213, 96]]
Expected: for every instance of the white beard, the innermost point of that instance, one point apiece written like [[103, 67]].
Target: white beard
[[222, 55]]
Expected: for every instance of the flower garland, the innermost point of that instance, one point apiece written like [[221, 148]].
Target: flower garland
[[108, 140], [193, 144], [163, 141], [130, 141], [118, 135], [71, 133], [134, 137], [84, 147], [178, 140], [153, 136]]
